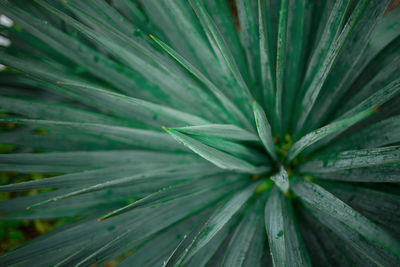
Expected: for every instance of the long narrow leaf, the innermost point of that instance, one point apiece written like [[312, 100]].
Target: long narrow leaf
[[219, 158], [352, 159], [227, 131], [264, 130], [324, 201], [330, 129], [287, 248]]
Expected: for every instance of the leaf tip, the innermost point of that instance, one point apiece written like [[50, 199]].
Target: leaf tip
[[151, 36], [163, 127]]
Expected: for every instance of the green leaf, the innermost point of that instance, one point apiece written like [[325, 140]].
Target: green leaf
[[57, 139], [178, 171], [385, 173], [140, 108], [381, 71], [239, 244], [226, 131], [356, 249], [264, 130], [377, 99], [267, 79], [82, 160], [313, 88], [217, 39], [218, 158], [136, 137], [226, 102], [383, 36], [247, 17], [117, 74], [130, 229], [297, 33], [287, 248], [281, 179], [91, 177], [40, 110], [334, 87], [327, 131], [322, 59], [367, 200], [382, 133], [257, 246], [352, 159], [160, 246], [246, 152], [181, 250], [220, 218], [212, 252], [176, 191], [328, 204], [281, 62], [172, 84], [187, 37]]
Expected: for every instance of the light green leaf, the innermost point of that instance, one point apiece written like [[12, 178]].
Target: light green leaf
[[385, 173], [281, 179], [352, 159], [327, 131], [287, 248], [219, 158], [264, 130], [242, 151], [227, 131]]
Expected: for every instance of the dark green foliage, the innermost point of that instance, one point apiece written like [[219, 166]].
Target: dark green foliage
[[203, 132]]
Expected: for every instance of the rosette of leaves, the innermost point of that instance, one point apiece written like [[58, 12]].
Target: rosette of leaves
[[203, 132]]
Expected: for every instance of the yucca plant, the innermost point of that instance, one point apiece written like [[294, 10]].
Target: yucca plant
[[204, 132]]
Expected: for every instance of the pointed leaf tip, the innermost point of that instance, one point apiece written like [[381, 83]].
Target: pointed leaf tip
[[264, 130]]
